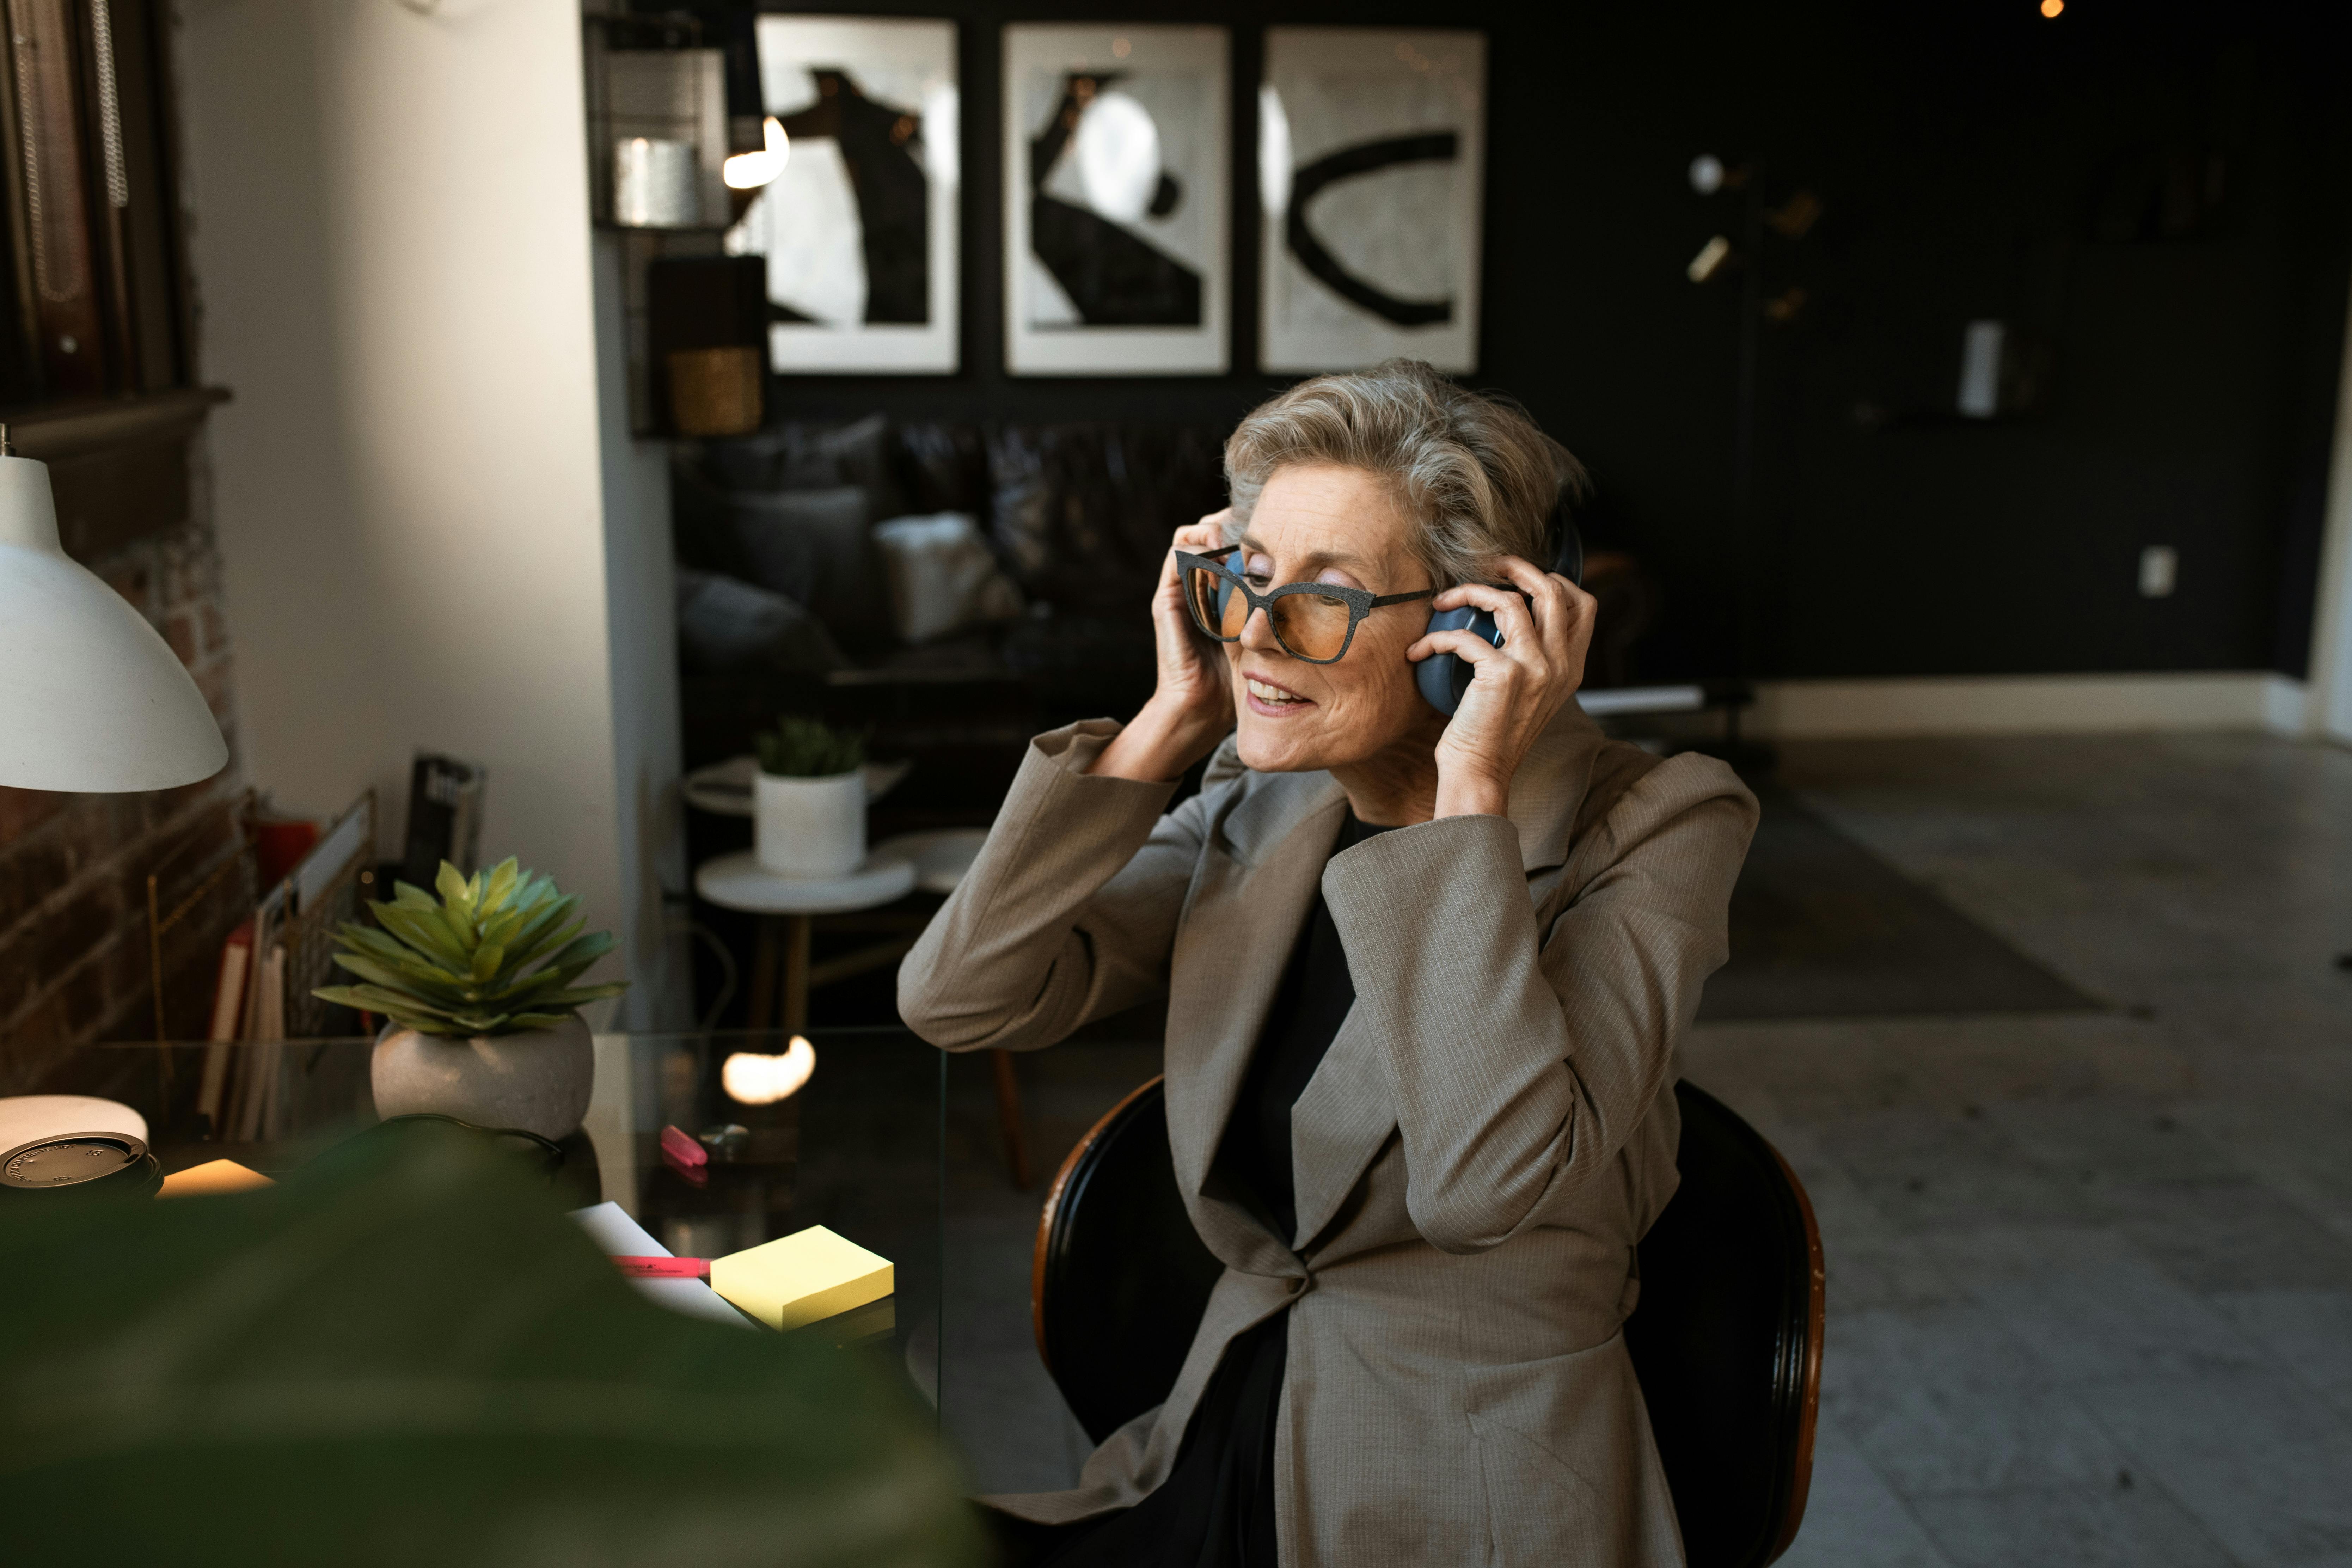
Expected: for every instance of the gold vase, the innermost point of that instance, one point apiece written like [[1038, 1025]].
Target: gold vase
[[716, 392]]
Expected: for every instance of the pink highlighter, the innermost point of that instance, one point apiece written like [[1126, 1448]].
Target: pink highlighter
[[663, 1268]]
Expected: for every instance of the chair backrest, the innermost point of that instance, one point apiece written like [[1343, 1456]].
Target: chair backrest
[[1726, 1338], [1120, 1278]]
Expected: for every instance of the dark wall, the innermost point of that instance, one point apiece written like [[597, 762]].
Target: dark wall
[[2161, 194]]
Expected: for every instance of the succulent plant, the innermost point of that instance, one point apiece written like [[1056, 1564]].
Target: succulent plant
[[495, 954], [800, 748]]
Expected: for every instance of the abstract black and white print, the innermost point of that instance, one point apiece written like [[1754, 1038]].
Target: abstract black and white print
[[1372, 148], [1115, 200], [859, 230]]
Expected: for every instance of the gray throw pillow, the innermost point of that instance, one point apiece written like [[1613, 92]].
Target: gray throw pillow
[[944, 577], [813, 547], [726, 627]]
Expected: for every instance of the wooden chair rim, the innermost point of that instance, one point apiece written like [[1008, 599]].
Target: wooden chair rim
[[1052, 1211], [1816, 1321]]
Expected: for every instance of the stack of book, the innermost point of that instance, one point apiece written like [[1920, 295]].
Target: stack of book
[[267, 967]]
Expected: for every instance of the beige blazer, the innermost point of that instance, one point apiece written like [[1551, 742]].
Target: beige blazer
[[1492, 1130]]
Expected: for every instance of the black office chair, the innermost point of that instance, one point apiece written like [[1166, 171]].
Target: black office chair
[[1727, 1337]]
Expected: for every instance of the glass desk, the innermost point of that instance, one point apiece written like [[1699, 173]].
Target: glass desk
[[857, 1148]]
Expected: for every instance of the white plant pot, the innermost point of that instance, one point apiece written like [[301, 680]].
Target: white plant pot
[[810, 827], [538, 1081]]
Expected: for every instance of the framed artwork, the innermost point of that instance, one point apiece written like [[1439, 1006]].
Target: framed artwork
[[859, 230], [1371, 159], [1115, 200]]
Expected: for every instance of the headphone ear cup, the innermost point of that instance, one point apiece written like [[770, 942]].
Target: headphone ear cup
[[1434, 674], [1569, 562], [1443, 678]]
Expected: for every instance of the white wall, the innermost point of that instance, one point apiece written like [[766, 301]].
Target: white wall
[[2331, 642], [435, 529]]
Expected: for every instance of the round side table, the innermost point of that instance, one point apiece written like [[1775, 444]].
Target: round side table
[[785, 905]]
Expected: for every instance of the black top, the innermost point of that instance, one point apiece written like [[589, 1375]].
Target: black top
[[1216, 1508], [1313, 1001]]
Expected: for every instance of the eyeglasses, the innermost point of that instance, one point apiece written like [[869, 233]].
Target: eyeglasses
[[1313, 622]]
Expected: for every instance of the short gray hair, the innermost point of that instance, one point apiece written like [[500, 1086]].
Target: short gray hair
[[1475, 475]]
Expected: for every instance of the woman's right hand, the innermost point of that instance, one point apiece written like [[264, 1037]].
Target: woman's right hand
[[1192, 705]]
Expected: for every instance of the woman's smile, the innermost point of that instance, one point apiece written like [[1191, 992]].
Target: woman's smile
[[1273, 702]]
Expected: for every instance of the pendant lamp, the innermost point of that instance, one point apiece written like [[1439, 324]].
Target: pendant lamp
[[91, 699]]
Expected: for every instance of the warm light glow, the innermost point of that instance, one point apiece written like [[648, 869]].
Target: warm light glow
[[749, 171], [2052, 7], [1710, 259], [750, 1078]]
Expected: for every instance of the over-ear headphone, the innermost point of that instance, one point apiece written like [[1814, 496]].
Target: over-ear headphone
[[1443, 678]]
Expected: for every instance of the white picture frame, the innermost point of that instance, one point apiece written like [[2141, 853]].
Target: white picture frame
[[868, 263], [1133, 207], [1377, 137]]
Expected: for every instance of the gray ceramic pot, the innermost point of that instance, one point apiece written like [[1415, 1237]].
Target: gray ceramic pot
[[538, 1081]]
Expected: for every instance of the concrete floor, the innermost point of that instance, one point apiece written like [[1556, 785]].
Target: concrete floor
[[2090, 1274]]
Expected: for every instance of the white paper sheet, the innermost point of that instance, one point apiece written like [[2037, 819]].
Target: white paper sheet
[[608, 1225]]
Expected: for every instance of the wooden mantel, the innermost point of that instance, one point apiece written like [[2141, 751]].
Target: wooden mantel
[[119, 465]]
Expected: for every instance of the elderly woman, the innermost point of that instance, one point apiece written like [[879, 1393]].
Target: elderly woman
[[1425, 981]]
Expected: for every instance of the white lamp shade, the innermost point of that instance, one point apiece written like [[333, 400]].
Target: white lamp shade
[[91, 698]]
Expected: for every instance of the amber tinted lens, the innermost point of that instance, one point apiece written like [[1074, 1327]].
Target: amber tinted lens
[[1204, 588], [1311, 624]]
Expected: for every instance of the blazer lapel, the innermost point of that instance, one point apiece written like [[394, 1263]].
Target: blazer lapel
[[1345, 1115], [1242, 919]]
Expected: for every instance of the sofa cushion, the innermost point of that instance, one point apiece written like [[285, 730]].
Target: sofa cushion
[[1081, 514], [944, 577], [801, 456], [813, 547], [726, 627]]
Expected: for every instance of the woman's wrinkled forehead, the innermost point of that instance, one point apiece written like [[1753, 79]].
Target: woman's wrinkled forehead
[[1317, 556], [1314, 518]]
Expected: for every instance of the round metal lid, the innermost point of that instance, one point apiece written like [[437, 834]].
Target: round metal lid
[[70, 1159]]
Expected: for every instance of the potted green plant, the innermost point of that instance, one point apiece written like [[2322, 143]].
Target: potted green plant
[[484, 1021], [811, 799]]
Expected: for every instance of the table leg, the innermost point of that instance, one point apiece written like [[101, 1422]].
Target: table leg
[[760, 1008], [1008, 1117], [796, 973]]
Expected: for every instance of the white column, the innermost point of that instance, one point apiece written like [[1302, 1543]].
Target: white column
[[2330, 704]]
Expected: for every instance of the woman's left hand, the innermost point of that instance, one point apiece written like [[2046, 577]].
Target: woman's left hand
[[1520, 686]]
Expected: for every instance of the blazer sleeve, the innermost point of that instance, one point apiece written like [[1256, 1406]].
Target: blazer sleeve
[[1520, 1061], [1068, 914]]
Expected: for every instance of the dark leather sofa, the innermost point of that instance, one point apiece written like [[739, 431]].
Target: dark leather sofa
[[1076, 515]]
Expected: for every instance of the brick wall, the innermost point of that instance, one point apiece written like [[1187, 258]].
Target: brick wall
[[75, 961]]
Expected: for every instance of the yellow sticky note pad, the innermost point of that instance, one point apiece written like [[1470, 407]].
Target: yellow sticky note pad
[[801, 1278]]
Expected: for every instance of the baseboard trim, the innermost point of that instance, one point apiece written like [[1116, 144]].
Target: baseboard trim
[[2028, 705]]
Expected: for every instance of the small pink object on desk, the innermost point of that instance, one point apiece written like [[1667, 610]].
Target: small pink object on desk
[[682, 1154], [663, 1268]]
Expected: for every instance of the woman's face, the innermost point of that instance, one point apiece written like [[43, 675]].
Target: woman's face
[[1323, 523]]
